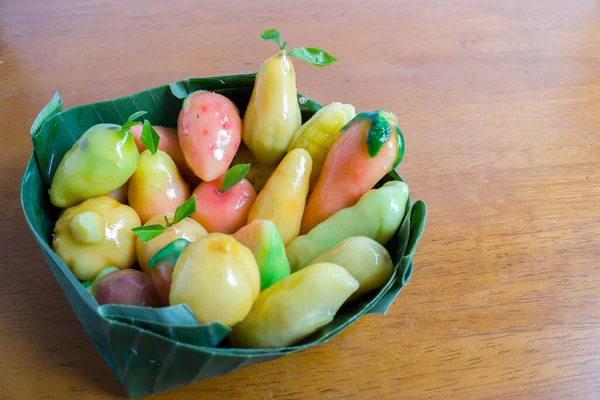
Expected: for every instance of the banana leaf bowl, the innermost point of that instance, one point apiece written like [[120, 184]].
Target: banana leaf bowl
[[152, 350]]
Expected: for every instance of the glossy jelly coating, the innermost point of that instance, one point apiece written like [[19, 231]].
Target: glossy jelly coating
[[169, 143], [283, 198], [187, 229], [209, 128], [95, 234], [264, 241], [224, 212], [319, 133], [378, 215], [217, 277], [156, 186], [295, 307], [103, 159], [353, 167], [161, 267], [273, 114], [366, 260], [128, 286]]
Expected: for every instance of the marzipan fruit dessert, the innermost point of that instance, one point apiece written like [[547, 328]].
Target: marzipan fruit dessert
[[220, 222]]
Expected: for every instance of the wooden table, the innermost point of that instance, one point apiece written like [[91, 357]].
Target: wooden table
[[500, 107]]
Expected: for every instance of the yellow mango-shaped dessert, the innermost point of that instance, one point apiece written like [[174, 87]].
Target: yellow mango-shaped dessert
[[283, 198], [295, 307]]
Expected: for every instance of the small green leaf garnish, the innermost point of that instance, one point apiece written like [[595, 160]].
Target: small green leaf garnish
[[128, 125], [234, 175], [146, 233], [136, 115], [271, 35], [149, 232], [184, 211], [314, 56], [131, 121], [149, 137]]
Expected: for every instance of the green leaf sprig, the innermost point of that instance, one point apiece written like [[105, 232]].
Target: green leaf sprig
[[149, 232], [312, 55], [234, 175], [149, 137], [131, 121], [273, 35]]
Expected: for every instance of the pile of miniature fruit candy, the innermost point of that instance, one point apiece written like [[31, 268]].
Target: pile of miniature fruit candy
[[279, 232]]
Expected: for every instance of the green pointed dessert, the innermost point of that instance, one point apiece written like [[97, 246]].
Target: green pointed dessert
[[264, 241], [102, 160]]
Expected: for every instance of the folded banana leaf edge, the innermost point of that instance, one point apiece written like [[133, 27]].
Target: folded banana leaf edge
[[156, 349]]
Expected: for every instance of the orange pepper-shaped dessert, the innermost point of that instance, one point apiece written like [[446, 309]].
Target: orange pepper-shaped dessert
[[368, 147]]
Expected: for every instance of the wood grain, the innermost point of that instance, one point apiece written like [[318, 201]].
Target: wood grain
[[499, 103]]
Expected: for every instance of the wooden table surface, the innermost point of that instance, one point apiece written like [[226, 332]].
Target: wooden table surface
[[499, 102]]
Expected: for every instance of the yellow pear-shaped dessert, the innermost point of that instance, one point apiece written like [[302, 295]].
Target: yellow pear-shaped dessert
[[273, 114]]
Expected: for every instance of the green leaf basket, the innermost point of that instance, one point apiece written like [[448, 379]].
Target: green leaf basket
[[152, 350]]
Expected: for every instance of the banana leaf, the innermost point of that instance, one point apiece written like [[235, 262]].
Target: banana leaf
[[176, 322], [152, 350]]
